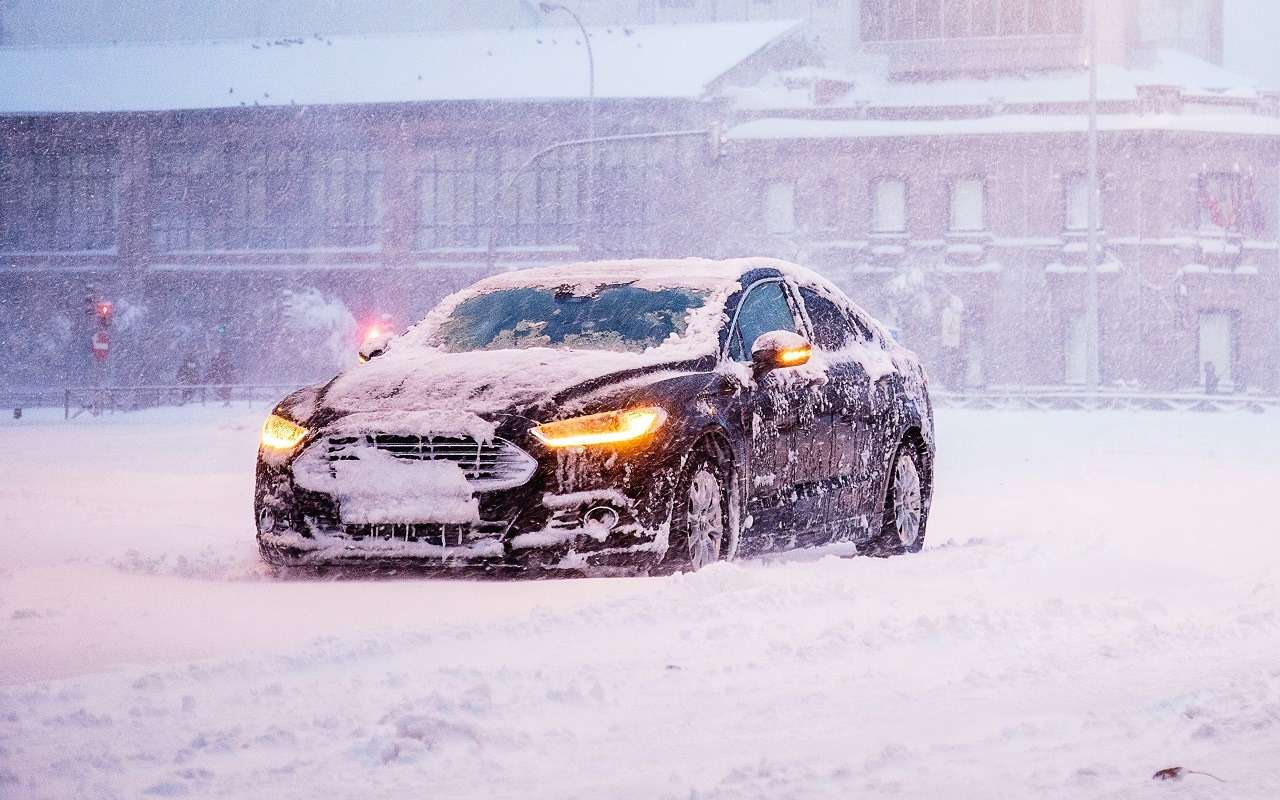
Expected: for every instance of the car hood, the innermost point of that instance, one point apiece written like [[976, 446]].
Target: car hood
[[486, 382]]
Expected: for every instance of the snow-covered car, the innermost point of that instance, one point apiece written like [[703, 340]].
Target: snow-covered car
[[657, 415]]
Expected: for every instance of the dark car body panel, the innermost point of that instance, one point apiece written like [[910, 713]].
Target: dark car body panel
[[809, 453]]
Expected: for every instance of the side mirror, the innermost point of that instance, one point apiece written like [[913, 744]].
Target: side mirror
[[374, 343], [777, 349]]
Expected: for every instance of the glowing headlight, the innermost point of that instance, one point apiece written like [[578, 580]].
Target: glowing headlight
[[607, 428], [279, 433]]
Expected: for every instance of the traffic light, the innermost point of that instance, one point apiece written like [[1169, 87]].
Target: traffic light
[[104, 309]]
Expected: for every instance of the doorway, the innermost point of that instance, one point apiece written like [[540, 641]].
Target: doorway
[[1217, 347]]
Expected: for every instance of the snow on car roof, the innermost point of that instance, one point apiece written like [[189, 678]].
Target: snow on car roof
[[717, 279], [491, 380], [641, 61], [647, 273]]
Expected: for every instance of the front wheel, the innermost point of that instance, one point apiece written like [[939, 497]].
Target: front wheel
[[902, 530], [699, 514]]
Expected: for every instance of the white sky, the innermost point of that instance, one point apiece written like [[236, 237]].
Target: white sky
[[1252, 37], [1252, 26]]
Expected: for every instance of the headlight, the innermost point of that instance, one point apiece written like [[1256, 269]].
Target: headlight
[[607, 428], [279, 433]]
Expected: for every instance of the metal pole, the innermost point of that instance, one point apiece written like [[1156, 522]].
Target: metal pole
[[1091, 323], [588, 210]]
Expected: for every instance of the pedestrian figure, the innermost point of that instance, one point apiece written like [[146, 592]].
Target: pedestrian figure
[[952, 339], [1210, 378], [220, 374], [188, 375]]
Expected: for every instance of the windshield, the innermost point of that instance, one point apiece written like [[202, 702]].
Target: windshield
[[620, 318]]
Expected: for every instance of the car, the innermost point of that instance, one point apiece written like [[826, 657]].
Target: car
[[635, 416]]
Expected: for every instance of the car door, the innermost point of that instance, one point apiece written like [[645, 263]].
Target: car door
[[849, 411], [779, 413]]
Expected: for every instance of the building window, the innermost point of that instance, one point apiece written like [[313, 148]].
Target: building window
[[968, 205], [825, 206], [265, 197], [930, 19], [1222, 201], [58, 201], [780, 207], [456, 186], [1076, 198], [627, 177], [889, 212], [455, 189]]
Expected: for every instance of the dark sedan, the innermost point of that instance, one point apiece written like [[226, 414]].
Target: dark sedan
[[636, 415]]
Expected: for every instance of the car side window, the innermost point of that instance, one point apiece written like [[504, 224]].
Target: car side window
[[764, 309], [833, 327]]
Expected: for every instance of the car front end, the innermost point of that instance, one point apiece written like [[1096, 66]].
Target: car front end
[[457, 490]]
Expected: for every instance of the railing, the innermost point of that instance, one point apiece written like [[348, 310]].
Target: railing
[[1058, 398], [108, 400]]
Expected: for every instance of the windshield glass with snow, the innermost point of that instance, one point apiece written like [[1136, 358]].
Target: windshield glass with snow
[[622, 318]]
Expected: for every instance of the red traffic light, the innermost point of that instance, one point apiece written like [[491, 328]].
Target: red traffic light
[[104, 310]]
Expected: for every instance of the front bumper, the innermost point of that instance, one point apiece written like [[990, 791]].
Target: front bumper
[[578, 512]]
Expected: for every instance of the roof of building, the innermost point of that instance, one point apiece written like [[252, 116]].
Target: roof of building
[[631, 62], [871, 86], [774, 128]]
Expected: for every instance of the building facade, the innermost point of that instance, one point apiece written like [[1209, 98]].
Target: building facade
[[934, 169]]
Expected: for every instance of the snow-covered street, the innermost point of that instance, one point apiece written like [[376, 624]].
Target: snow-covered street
[[1097, 600]]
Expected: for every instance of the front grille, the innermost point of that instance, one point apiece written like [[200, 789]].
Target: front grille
[[493, 464], [445, 535]]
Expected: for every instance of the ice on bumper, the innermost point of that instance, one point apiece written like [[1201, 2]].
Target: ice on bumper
[[377, 487]]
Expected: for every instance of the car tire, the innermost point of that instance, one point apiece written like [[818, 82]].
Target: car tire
[[271, 555], [903, 524], [699, 534]]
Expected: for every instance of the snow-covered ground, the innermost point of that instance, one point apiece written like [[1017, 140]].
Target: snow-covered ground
[[1098, 601]]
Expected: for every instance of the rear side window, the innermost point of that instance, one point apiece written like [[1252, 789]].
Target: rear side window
[[833, 327], [764, 309]]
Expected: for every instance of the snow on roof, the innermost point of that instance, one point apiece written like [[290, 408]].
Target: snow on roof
[[791, 128], [645, 273], [655, 61], [1115, 83]]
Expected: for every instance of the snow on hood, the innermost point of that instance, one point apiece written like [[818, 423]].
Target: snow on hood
[[480, 382]]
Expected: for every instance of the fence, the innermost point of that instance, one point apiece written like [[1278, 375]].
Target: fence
[[1058, 398], [108, 400], [95, 401]]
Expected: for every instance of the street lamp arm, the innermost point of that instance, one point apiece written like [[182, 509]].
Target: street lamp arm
[[589, 204]]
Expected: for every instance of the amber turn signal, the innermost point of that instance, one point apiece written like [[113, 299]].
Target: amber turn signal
[[610, 427], [794, 356]]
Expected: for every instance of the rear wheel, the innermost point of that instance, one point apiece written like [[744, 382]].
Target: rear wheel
[[699, 514], [903, 526]]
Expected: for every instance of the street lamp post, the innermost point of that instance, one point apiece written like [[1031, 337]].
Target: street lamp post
[[589, 206], [1093, 370]]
